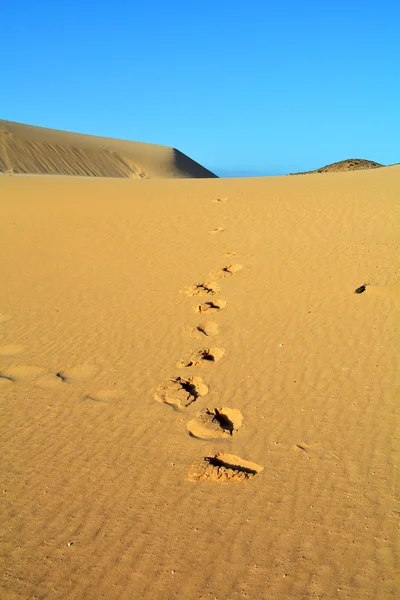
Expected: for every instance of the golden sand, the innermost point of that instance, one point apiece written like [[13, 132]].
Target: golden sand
[[105, 491]]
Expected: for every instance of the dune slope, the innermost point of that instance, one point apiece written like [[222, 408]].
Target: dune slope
[[195, 402], [26, 149]]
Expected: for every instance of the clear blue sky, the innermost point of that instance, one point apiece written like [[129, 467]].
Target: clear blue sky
[[253, 87]]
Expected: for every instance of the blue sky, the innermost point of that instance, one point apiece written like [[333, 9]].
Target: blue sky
[[243, 88]]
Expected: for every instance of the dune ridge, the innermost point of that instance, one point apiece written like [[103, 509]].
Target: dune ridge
[[27, 149]]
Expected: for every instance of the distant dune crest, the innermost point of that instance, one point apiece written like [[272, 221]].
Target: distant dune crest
[[25, 149], [350, 164]]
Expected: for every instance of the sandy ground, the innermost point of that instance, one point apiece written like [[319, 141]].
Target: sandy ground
[[175, 426]]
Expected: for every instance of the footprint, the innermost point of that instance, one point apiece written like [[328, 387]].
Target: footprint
[[181, 393], [202, 289], [316, 451], [49, 381], [202, 357], [231, 269], [209, 328], [227, 271], [231, 253], [217, 230], [213, 306], [219, 200], [22, 373], [78, 373], [106, 395], [215, 423], [10, 349], [224, 468]]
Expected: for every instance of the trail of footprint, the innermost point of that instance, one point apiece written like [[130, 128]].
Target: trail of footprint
[[181, 393], [202, 289], [105, 395], [11, 349], [215, 423], [49, 381], [212, 306], [224, 468], [78, 373], [316, 451], [209, 329], [22, 373], [40, 377]]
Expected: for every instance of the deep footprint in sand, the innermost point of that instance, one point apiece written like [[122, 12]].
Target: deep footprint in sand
[[206, 356], [211, 306], [220, 200], [227, 271], [181, 393], [216, 230], [231, 269], [78, 373], [208, 288], [215, 423], [209, 329], [224, 468]]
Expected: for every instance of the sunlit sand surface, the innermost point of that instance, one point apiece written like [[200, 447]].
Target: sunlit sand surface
[[235, 440]]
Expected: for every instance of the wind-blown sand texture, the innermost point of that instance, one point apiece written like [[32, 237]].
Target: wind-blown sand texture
[[26, 149], [273, 474]]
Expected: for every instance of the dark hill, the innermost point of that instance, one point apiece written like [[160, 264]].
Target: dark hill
[[350, 164]]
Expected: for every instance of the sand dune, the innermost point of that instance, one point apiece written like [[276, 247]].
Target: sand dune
[[195, 402], [36, 150]]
